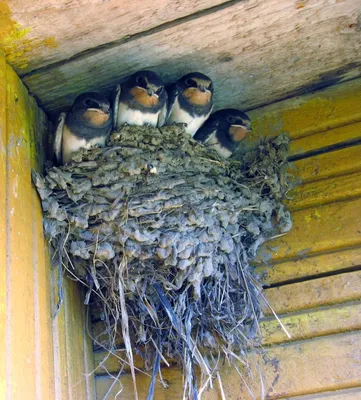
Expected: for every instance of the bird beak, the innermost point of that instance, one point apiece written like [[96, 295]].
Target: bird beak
[[151, 92], [249, 129], [202, 89]]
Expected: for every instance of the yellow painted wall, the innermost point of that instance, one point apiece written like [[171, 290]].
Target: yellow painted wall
[[40, 357]]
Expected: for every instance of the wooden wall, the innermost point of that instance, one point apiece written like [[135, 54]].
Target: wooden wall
[[314, 282], [40, 357]]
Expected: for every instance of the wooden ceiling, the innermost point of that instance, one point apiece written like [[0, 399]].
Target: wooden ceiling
[[256, 51]]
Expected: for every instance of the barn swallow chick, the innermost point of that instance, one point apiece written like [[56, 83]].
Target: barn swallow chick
[[190, 101], [141, 100], [87, 124], [224, 130]]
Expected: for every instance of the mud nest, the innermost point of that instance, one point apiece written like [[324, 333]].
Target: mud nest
[[161, 231]]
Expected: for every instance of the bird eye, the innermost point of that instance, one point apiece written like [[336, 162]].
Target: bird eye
[[191, 83], [231, 120], [141, 82], [159, 91], [91, 103]]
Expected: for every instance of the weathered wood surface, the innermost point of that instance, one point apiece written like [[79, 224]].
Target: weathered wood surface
[[33, 356], [79, 364], [3, 233], [19, 266], [319, 229], [318, 112], [325, 191], [335, 361], [348, 394], [25, 291], [73, 352], [322, 140], [315, 293], [256, 52], [310, 266], [312, 324], [327, 165], [59, 30]]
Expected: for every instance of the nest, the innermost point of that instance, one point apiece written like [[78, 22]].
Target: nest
[[161, 231]]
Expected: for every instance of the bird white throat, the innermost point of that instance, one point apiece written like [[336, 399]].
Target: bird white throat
[[177, 114]]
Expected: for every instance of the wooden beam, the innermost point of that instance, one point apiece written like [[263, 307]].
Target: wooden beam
[[44, 355], [20, 329], [48, 29], [3, 229], [256, 52], [78, 365]]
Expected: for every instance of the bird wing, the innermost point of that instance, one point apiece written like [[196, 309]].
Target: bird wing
[[172, 96], [163, 114], [206, 130], [59, 137], [115, 96]]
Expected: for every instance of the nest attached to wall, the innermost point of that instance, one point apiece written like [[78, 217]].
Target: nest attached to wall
[[161, 231]]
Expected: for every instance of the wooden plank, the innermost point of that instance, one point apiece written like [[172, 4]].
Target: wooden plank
[[242, 58], [52, 38], [313, 266], [3, 231], [89, 371], [319, 229], [314, 293], [327, 165], [106, 362], [348, 394], [43, 317], [310, 324], [44, 355], [311, 113], [325, 191], [322, 364], [61, 373], [74, 336], [20, 334], [321, 140]]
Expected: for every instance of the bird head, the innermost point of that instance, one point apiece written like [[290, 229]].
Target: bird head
[[237, 122], [92, 107], [147, 88], [197, 88]]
